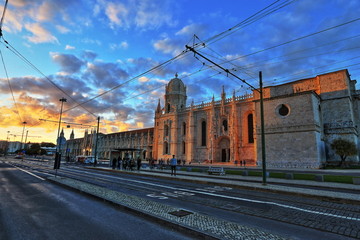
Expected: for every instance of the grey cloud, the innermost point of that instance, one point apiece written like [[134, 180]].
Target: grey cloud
[[68, 62], [106, 74]]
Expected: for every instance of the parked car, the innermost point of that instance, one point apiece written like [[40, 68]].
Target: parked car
[[89, 159]]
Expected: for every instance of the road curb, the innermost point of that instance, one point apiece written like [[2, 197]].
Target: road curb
[[320, 194], [194, 224], [172, 225]]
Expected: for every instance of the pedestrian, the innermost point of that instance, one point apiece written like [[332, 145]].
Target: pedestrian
[[125, 163], [114, 163], [118, 162], [138, 163], [244, 163], [173, 163]]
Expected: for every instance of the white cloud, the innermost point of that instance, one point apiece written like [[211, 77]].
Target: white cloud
[[40, 34], [62, 29], [143, 79], [122, 45], [117, 14], [192, 29], [167, 45], [68, 47]]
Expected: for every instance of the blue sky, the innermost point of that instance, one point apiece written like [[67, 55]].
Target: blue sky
[[86, 48]]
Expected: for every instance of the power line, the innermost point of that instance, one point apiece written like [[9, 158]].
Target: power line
[[131, 79], [253, 18], [11, 90], [296, 39], [2, 17], [22, 57]]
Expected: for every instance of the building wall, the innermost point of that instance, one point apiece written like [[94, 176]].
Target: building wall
[[302, 118]]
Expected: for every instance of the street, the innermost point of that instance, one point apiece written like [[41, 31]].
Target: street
[[32, 208], [289, 216]]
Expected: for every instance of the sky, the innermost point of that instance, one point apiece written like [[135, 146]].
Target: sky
[[112, 59]]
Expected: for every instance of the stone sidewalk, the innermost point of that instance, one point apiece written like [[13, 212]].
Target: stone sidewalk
[[330, 190], [198, 225]]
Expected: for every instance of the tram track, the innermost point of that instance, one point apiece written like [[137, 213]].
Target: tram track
[[317, 212]]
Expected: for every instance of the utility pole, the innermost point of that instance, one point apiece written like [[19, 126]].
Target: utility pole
[[260, 91], [96, 142], [263, 155], [58, 141], [22, 136], [26, 138]]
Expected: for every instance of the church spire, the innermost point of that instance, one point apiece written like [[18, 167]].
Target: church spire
[[158, 109], [72, 134]]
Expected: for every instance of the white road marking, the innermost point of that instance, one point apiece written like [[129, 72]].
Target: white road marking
[[238, 198], [34, 175]]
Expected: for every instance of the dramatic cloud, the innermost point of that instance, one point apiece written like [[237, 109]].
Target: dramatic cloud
[[143, 14], [39, 34], [69, 47], [117, 14], [106, 74], [68, 63]]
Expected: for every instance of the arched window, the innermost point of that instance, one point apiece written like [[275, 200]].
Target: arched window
[[168, 107], [250, 124], [203, 133], [225, 125], [184, 147], [184, 128], [166, 148], [166, 131]]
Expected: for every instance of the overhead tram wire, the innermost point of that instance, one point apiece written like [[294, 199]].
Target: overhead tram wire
[[22, 57], [293, 40], [323, 66], [3, 63], [11, 90], [253, 18], [256, 64], [221, 57], [2, 17], [131, 79]]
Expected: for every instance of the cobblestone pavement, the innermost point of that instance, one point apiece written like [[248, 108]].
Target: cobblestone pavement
[[213, 227], [330, 214]]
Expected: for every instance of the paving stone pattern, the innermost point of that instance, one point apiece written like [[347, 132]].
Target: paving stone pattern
[[204, 224]]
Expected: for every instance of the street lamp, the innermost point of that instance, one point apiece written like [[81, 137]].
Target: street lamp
[[58, 141], [22, 136]]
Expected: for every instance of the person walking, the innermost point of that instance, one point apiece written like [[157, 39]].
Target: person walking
[[173, 163], [138, 163]]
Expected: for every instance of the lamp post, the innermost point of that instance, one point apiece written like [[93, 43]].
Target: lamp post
[[22, 136], [58, 141]]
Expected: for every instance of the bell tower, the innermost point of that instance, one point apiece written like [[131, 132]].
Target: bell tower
[[175, 95]]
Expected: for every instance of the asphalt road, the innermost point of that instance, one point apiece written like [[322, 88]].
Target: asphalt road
[[290, 216], [31, 208]]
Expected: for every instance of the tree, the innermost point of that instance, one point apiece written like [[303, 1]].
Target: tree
[[34, 149], [45, 144], [344, 148]]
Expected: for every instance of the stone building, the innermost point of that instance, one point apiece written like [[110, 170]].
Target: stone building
[[302, 118], [135, 143]]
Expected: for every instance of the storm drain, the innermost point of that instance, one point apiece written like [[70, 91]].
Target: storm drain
[[180, 213]]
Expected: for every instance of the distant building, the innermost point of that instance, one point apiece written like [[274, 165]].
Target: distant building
[[49, 150], [4, 146], [14, 146], [302, 118]]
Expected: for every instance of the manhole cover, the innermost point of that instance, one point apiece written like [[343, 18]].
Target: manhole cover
[[180, 213]]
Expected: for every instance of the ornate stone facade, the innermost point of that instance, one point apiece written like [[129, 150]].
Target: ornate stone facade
[[302, 118]]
